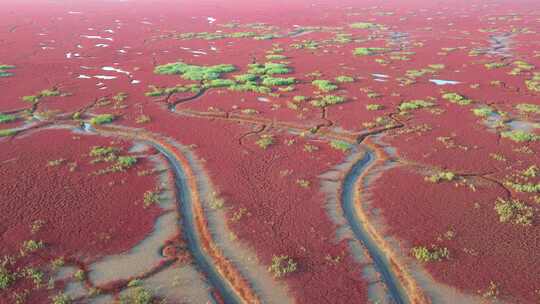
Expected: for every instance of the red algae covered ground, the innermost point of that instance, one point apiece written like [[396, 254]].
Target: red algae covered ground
[[267, 96], [54, 206]]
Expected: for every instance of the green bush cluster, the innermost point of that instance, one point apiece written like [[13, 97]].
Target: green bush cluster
[[457, 99], [415, 104], [324, 85], [282, 265], [514, 211], [7, 118], [368, 51], [327, 100], [528, 108], [265, 141], [102, 119], [4, 70], [340, 145], [194, 72], [520, 136], [423, 254]]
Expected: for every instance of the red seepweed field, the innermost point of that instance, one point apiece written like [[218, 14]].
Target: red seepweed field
[[269, 152]]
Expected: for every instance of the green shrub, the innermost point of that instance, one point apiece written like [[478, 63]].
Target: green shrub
[[138, 295], [194, 72], [276, 57], [441, 176], [374, 107], [415, 104], [268, 68], [344, 79], [520, 136], [265, 141], [327, 100], [368, 51], [218, 83], [324, 85], [8, 132], [246, 77], [61, 298], [524, 187], [514, 211], [102, 119], [299, 98], [150, 198], [528, 108], [282, 265], [126, 161], [7, 118], [31, 98], [423, 254], [483, 111], [277, 81], [457, 99], [365, 25], [340, 145], [6, 278]]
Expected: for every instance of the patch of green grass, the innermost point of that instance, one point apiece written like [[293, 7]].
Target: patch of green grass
[[495, 65], [4, 70], [219, 83], [61, 298], [194, 72], [327, 100], [79, 275], [523, 187], [369, 51], [441, 176], [533, 84], [278, 81], [514, 211], [49, 93], [483, 111], [7, 118], [138, 295], [102, 119], [269, 68], [520, 136], [340, 145], [415, 104], [344, 79], [31, 246], [6, 278], [303, 183], [365, 25], [150, 197], [141, 119], [423, 254], [528, 108], [35, 275], [6, 67], [265, 141], [299, 98], [157, 91], [126, 161], [324, 85], [103, 153], [251, 87], [374, 107], [246, 77], [282, 265], [8, 132], [276, 57], [457, 99], [30, 98]]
